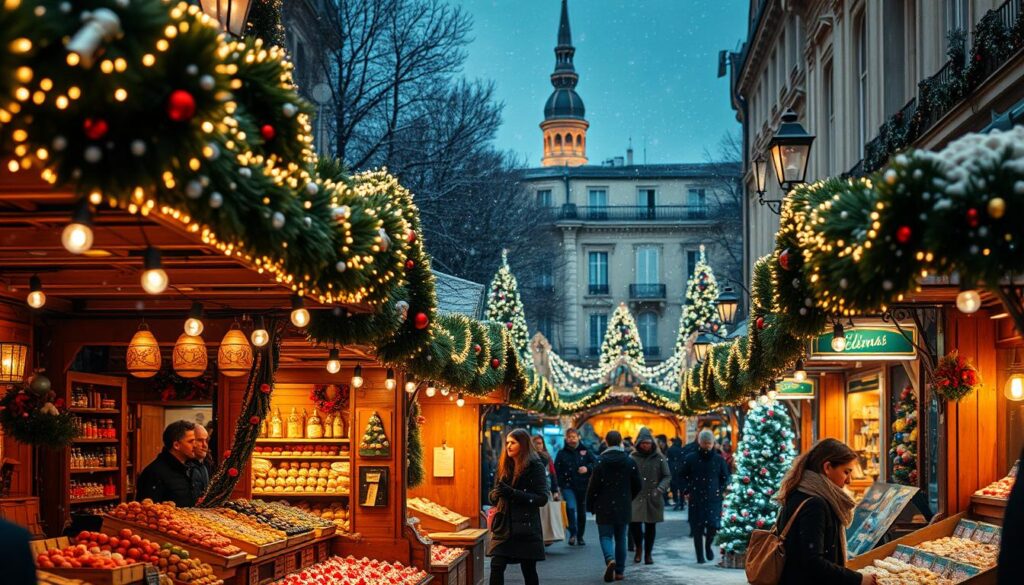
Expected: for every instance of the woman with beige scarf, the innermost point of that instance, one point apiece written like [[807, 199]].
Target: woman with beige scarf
[[816, 544]]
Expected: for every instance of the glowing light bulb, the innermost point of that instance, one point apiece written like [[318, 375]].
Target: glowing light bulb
[[77, 238], [431, 390], [799, 373], [194, 324], [260, 336], [838, 338], [968, 301], [300, 315], [36, 298], [154, 278], [334, 362], [1014, 389], [357, 377], [445, 391], [390, 383], [461, 401], [410, 387]]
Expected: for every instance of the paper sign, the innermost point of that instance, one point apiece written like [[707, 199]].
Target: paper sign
[[904, 553], [965, 529], [444, 462]]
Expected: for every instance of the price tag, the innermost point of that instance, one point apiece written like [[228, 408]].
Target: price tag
[[152, 575]]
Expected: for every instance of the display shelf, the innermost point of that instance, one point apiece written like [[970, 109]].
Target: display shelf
[[81, 410], [95, 499], [310, 441], [95, 441], [112, 525], [260, 494], [303, 457], [93, 469]]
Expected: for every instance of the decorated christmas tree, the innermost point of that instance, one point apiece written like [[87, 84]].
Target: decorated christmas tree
[[700, 308], [621, 338], [375, 442], [903, 450], [505, 306], [763, 457]]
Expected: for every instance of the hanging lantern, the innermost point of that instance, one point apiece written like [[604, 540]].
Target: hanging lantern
[[234, 358], [189, 358], [143, 355], [12, 361]]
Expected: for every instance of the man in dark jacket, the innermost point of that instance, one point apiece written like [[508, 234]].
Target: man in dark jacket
[[175, 475], [1011, 561], [16, 558], [574, 465], [705, 476], [675, 463], [614, 484]]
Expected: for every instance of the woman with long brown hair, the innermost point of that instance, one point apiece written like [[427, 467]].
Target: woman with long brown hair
[[813, 490], [520, 489]]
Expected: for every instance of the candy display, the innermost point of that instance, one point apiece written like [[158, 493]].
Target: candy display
[[277, 515], [352, 571], [964, 550], [294, 477], [176, 563], [234, 525], [441, 555], [435, 510], [336, 512], [168, 519], [892, 571]]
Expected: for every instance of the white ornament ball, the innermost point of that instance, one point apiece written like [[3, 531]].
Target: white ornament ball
[[341, 266], [312, 188], [245, 172], [192, 69], [138, 147], [342, 212], [93, 154], [207, 82], [193, 190], [307, 221], [289, 110], [214, 152], [59, 143], [277, 220], [216, 200]]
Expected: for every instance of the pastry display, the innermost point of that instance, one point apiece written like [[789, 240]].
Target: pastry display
[[999, 489], [305, 477], [301, 450], [276, 515], [352, 571], [168, 519], [441, 555], [234, 525], [892, 571], [336, 512], [963, 550], [434, 510]]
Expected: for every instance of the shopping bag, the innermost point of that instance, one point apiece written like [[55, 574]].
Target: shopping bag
[[565, 514], [550, 521]]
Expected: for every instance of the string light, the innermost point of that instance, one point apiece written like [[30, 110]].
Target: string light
[[154, 278], [762, 398], [461, 400], [431, 389], [838, 338], [334, 361], [77, 236], [36, 297], [799, 373], [390, 383], [300, 315], [444, 391], [260, 336], [357, 377], [194, 323], [968, 301]]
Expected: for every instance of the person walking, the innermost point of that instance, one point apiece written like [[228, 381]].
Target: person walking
[[687, 450], [675, 457], [614, 484], [574, 465], [549, 465], [813, 491], [705, 476], [648, 506], [520, 489], [662, 442]]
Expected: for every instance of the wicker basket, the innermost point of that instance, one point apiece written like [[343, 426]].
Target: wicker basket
[[734, 561]]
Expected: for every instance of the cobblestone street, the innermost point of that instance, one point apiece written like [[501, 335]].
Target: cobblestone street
[[674, 561]]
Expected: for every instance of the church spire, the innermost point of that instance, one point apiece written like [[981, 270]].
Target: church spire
[[564, 125]]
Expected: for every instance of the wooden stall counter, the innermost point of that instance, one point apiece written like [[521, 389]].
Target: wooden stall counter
[[474, 540], [455, 572], [989, 509]]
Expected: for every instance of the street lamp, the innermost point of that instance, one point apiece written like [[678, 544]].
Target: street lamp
[[231, 14], [701, 345], [760, 175], [728, 302], [790, 150]]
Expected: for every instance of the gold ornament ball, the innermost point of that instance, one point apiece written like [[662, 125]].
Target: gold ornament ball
[[996, 207]]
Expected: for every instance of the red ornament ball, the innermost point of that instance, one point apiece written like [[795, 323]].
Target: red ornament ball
[[746, 479], [760, 322], [903, 234], [495, 363], [509, 325], [181, 106], [476, 348], [227, 453], [771, 413], [265, 388], [95, 128], [267, 132], [409, 264], [764, 471], [233, 472], [786, 259], [254, 420], [422, 321], [759, 523], [410, 236], [972, 217]]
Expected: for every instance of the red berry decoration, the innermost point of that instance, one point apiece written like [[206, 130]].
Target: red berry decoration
[[227, 453], [267, 132], [233, 472], [972, 217], [422, 321], [760, 322], [746, 479], [759, 523], [181, 106], [95, 128], [410, 236], [495, 363], [409, 264], [903, 234], [785, 259], [265, 388], [254, 420], [508, 325]]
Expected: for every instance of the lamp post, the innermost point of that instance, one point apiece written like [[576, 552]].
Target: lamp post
[[701, 345], [231, 14], [789, 152], [727, 304]]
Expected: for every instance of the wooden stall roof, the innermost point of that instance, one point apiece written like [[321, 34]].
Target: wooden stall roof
[[105, 280]]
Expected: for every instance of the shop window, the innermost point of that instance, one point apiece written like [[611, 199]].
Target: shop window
[[864, 423]]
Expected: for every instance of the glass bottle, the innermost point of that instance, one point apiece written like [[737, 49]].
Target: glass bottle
[[338, 428], [294, 425], [277, 425], [328, 423], [314, 428]]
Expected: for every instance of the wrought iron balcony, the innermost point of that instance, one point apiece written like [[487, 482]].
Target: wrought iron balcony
[[646, 291], [597, 289], [634, 212]]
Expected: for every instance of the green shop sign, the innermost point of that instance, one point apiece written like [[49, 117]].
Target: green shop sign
[[790, 388], [868, 343]]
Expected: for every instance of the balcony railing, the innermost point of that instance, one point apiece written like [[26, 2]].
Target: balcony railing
[[651, 351], [597, 289], [634, 212], [646, 291]]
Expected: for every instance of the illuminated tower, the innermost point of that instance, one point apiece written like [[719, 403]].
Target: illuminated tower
[[564, 125]]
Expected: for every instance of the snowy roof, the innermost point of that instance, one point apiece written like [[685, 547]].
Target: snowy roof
[[458, 295]]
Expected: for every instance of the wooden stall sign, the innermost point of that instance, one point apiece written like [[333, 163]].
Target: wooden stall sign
[[373, 486]]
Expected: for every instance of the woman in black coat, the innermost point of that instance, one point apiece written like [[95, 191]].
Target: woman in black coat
[[520, 489], [704, 477], [816, 543]]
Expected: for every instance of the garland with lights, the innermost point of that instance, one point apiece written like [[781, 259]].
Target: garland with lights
[[414, 448], [505, 306]]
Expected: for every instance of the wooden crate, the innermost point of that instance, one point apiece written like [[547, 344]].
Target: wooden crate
[[931, 532], [474, 540], [277, 565], [453, 574], [434, 524], [989, 509], [133, 573], [325, 531], [111, 525]]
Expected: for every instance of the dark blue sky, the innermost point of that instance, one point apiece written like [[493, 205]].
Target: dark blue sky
[[647, 69]]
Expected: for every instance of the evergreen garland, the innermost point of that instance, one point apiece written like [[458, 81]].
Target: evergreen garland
[[265, 22], [414, 448]]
